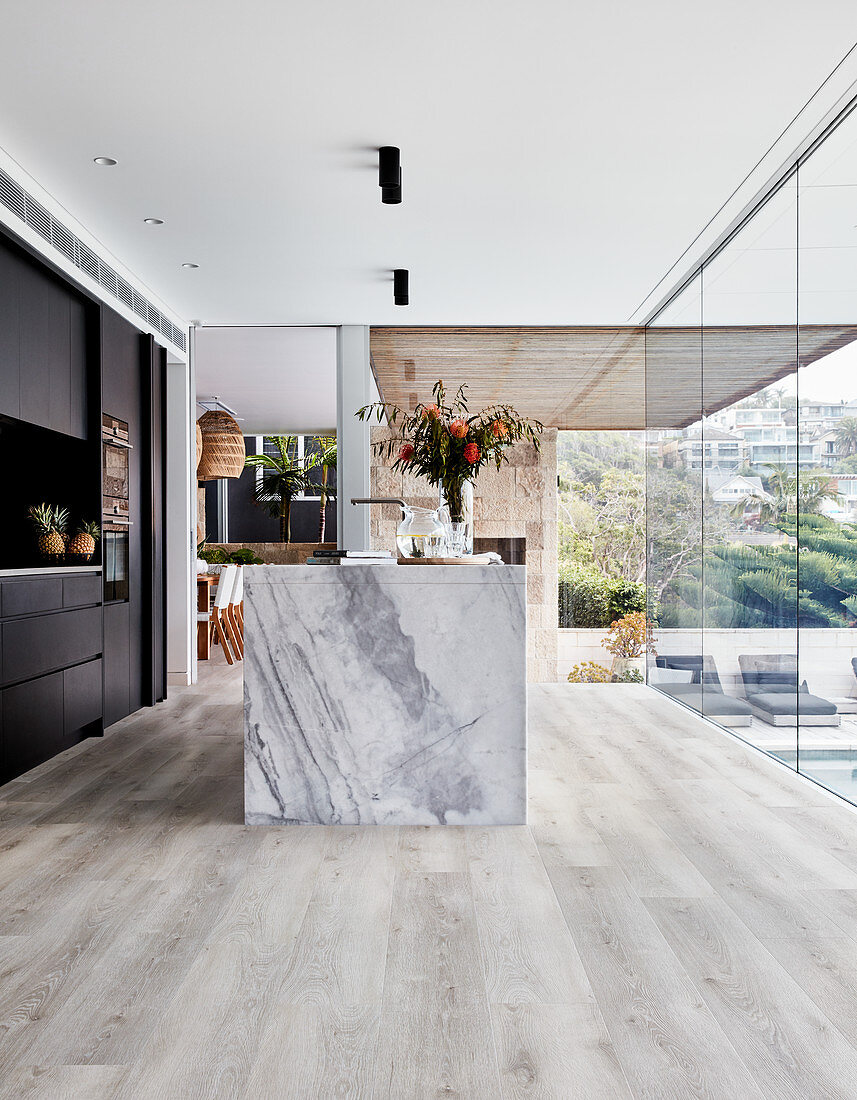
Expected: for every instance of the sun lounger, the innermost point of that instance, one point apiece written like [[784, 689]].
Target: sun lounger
[[778, 697], [702, 690]]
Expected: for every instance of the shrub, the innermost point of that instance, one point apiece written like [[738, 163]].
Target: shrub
[[590, 600], [631, 676], [244, 556], [589, 672], [630, 636], [216, 555]]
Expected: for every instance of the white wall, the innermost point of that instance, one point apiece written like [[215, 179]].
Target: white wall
[[825, 655]]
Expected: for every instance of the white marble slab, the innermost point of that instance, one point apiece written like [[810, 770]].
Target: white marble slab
[[385, 695]]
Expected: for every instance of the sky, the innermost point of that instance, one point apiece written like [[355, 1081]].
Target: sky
[[828, 380]]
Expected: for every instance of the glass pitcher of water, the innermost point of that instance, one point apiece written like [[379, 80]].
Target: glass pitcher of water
[[421, 533]]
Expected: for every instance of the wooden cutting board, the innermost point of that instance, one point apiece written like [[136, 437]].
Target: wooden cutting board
[[470, 559]]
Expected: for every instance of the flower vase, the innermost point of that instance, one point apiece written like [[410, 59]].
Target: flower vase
[[459, 528]]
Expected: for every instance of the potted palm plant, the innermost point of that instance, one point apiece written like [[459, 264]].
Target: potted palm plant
[[281, 477]]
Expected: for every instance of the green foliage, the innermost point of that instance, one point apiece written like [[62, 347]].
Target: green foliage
[[585, 457], [216, 555], [846, 435], [630, 676], [244, 556], [738, 586], [590, 600], [846, 467]]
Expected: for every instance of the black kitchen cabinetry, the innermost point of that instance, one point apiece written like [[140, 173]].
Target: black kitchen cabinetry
[[132, 389], [50, 666], [70, 664], [43, 346]]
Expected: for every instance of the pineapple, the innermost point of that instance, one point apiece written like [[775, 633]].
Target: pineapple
[[50, 523], [83, 543]]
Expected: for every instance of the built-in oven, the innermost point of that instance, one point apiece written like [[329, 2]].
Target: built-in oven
[[116, 507]]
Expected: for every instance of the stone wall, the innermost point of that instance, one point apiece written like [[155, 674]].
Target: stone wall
[[518, 500], [277, 553]]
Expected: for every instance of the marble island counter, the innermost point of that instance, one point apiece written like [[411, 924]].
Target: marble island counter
[[383, 695]]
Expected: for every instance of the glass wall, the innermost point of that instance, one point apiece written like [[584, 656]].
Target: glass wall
[[674, 497], [757, 600]]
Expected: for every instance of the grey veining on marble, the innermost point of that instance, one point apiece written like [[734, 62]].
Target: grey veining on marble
[[385, 695]]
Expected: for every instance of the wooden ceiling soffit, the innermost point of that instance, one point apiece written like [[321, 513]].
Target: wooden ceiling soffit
[[693, 371], [571, 378], [595, 378]]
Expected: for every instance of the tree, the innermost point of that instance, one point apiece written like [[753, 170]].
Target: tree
[[606, 525], [846, 436], [324, 454], [788, 493], [282, 477], [813, 488]]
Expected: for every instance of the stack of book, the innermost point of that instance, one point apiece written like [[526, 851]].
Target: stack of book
[[351, 557]]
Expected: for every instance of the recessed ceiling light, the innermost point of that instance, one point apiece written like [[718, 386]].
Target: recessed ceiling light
[[190, 265], [109, 161], [153, 221]]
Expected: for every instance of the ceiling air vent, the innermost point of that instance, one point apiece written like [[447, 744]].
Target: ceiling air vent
[[33, 214], [12, 196], [87, 261], [62, 240], [124, 293], [37, 217]]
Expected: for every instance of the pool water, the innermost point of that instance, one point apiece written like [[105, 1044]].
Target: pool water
[[833, 768]]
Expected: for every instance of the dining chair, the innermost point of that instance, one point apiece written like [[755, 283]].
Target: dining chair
[[218, 622], [233, 614]]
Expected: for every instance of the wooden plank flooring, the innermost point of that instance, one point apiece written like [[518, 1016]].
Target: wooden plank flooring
[[679, 920]]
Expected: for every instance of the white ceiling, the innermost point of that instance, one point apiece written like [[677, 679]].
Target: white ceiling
[[558, 156], [280, 381]]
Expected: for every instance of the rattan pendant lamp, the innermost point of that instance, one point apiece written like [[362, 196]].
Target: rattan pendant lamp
[[223, 451]]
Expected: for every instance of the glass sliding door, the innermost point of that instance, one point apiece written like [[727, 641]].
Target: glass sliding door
[[826, 514], [751, 406], [674, 487], [750, 457]]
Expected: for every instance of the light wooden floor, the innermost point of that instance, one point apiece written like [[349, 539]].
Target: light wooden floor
[[680, 920]]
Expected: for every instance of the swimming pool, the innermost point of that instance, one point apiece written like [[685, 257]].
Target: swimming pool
[[833, 768]]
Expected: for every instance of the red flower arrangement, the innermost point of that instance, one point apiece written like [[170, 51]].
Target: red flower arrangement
[[430, 440]]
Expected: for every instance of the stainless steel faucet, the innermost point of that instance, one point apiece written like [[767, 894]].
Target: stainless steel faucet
[[380, 500]]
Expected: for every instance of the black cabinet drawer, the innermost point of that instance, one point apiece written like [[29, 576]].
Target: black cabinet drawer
[[29, 595], [32, 723], [80, 590], [37, 645], [82, 692]]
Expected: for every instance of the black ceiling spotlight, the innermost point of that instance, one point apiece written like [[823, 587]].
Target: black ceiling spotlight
[[389, 174], [400, 286]]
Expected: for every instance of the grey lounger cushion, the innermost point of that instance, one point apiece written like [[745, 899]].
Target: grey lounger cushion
[[706, 699], [791, 703]]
